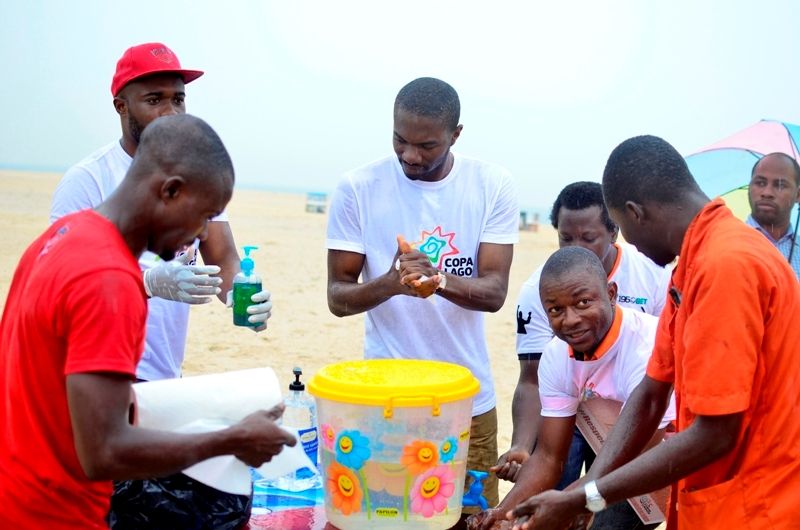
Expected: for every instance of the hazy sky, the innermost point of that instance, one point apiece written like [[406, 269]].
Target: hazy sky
[[302, 91]]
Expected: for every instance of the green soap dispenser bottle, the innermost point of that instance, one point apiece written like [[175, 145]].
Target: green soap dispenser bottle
[[245, 285]]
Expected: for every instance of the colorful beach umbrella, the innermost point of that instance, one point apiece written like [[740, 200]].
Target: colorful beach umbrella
[[723, 168]]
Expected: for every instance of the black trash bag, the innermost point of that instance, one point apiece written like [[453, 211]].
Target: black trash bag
[[176, 502]]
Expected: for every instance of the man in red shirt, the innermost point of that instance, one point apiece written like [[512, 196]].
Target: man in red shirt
[[726, 342], [73, 330]]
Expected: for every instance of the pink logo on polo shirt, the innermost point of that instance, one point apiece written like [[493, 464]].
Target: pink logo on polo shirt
[[588, 392], [436, 245], [440, 248]]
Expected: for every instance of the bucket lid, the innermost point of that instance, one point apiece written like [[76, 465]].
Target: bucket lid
[[394, 382]]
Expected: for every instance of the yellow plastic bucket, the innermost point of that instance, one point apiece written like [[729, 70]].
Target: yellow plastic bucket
[[395, 435]]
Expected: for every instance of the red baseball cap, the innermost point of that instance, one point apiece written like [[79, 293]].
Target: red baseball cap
[[147, 59]]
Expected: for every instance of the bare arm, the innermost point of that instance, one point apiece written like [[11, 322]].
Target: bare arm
[[637, 423], [486, 292], [619, 475], [346, 296], [219, 249], [539, 472], [109, 448], [545, 466], [706, 440], [525, 409]]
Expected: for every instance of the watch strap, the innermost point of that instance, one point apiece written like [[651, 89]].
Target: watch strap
[[594, 500], [442, 282]]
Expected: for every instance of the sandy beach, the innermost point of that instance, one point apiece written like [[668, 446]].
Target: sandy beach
[[292, 261]]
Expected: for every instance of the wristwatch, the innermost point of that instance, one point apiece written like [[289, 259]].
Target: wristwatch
[[594, 501], [442, 283]]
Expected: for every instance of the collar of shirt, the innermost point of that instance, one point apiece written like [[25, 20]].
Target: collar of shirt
[[611, 337], [787, 236]]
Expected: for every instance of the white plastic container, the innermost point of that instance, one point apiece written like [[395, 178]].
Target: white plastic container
[[394, 435]]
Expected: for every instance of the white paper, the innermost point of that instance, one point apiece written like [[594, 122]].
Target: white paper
[[212, 402], [228, 473], [172, 404]]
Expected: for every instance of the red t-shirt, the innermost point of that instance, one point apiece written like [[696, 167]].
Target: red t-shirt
[[76, 304], [731, 347]]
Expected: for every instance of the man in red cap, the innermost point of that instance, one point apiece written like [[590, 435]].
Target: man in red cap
[[149, 82]]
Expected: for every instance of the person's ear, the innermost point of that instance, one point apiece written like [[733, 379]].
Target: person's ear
[[635, 211], [612, 293], [171, 188], [120, 105], [614, 234], [456, 134]]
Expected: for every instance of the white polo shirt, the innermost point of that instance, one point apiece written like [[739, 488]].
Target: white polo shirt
[[618, 367]]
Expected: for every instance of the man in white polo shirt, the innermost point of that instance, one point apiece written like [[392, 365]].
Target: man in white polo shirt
[[600, 351], [581, 219]]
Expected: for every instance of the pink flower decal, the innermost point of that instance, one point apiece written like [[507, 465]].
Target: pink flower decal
[[431, 490], [328, 435]]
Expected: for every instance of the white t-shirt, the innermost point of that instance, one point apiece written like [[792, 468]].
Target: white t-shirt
[[641, 285], [87, 184], [620, 366], [475, 203]]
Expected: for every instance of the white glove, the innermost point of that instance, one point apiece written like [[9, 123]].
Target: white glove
[[259, 312], [175, 280]]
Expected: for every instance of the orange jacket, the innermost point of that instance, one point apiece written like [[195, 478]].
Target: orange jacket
[[731, 345]]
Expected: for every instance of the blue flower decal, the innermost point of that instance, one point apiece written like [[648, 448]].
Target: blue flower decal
[[352, 449], [448, 449]]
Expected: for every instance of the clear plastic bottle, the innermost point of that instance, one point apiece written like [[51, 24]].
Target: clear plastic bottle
[[245, 284], [301, 414]]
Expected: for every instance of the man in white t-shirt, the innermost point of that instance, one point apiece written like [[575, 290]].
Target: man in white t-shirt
[[581, 219], [425, 300], [148, 83], [600, 351]]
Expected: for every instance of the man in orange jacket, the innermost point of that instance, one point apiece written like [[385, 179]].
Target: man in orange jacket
[[726, 342]]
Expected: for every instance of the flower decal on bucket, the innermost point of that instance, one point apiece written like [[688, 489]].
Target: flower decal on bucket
[[352, 449], [448, 449], [344, 488], [328, 435], [419, 456], [431, 490]]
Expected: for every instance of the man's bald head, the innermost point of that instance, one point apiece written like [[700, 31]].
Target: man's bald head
[[566, 261], [791, 164], [181, 178], [187, 146]]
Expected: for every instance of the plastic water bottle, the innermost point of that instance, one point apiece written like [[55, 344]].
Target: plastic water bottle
[[301, 414]]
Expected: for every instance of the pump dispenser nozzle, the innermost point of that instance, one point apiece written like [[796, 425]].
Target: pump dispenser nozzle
[[297, 384], [247, 264]]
